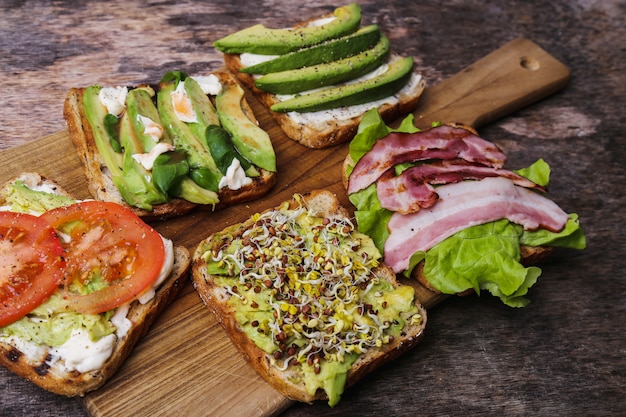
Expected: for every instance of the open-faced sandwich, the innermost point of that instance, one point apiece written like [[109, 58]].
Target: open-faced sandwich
[[164, 150], [440, 206], [306, 298], [80, 283], [320, 76]]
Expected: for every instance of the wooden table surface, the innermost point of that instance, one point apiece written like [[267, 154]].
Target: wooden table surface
[[565, 353]]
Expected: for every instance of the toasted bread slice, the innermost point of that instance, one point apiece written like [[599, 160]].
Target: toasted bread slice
[[37, 364], [290, 381], [323, 129], [99, 179]]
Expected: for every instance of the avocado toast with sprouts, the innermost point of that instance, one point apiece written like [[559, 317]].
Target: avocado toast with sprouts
[[305, 297]]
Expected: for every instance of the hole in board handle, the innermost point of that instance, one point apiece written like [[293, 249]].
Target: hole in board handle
[[529, 63]]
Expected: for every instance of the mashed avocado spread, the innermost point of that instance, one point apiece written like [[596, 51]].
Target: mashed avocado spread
[[304, 291]]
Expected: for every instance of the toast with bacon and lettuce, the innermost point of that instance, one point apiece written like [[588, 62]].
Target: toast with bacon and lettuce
[[305, 297], [440, 206]]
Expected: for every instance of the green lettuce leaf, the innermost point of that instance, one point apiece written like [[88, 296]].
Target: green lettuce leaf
[[482, 257], [371, 218], [572, 236], [371, 128], [538, 172]]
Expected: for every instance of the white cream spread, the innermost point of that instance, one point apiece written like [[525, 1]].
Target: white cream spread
[[322, 21], [248, 59], [182, 104], [147, 159], [120, 321], [235, 177], [81, 353], [210, 84], [114, 99], [151, 128]]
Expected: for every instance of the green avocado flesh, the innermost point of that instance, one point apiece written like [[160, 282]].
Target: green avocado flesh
[[252, 142], [259, 39], [184, 166], [369, 90], [297, 300], [51, 324], [22, 199], [137, 179], [187, 137], [321, 75], [332, 50], [96, 112]]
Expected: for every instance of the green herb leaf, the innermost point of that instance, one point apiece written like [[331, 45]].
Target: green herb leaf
[[168, 171], [223, 149], [174, 76], [111, 125], [205, 178]]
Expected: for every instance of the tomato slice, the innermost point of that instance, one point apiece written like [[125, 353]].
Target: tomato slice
[[31, 264], [111, 254]]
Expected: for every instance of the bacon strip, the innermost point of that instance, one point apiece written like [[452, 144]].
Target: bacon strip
[[412, 190], [466, 204], [443, 142]]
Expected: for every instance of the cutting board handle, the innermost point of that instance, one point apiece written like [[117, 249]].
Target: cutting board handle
[[508, 79]]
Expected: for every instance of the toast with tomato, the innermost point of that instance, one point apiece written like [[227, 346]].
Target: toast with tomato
[[81, 282], [165, 149], [305, 297]]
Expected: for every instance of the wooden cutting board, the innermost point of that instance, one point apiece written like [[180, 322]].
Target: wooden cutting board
[[186, 365]]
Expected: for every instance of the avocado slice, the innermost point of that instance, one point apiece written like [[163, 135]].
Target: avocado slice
[[189, 137], [252, 142], [321, 75], [139, 106], [332, 50], [96, 112], [134, 140], [378, 87], [202, 106], [259, 39], [191, 191]]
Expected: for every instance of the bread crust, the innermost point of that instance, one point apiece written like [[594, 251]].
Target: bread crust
[[142, 316], [216, 299], [99, 180], [330, 133]]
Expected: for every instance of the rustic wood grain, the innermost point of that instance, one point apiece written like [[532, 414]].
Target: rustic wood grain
[[186, 346], [561, 355]]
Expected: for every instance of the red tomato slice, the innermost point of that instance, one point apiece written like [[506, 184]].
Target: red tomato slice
[[31, 264], [110, 241]]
